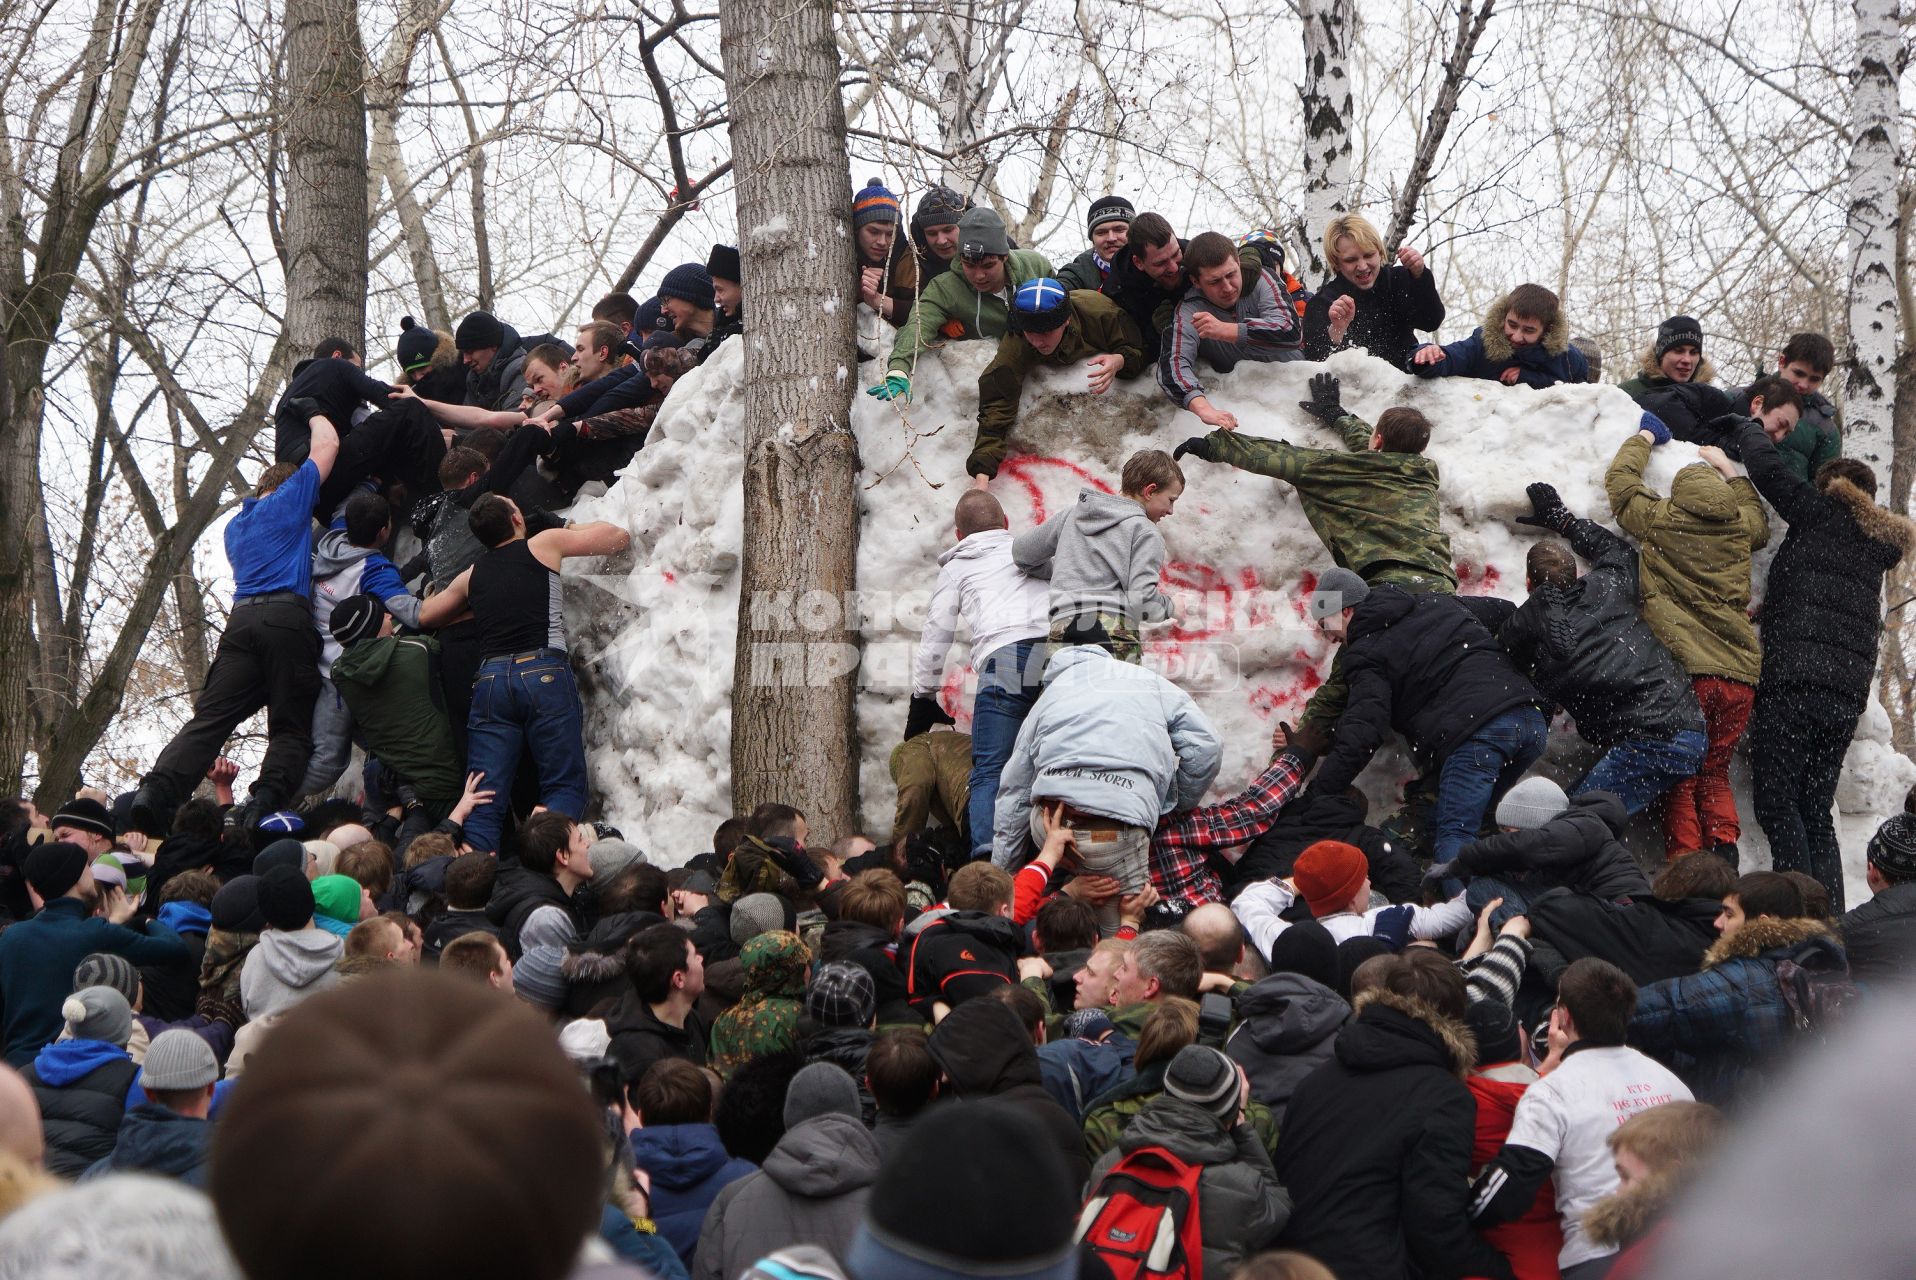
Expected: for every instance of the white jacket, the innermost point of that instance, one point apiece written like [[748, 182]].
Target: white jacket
[[998, 602], [1260, 909]]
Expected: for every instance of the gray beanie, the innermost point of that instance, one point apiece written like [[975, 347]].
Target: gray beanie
[[98, 1013], [1337, 590], [981, 232], [104, 969], [178, 1059], [1205, 1078], [822, 1089], [539, 978], [754, 914], [1531, 803], [609, 857]]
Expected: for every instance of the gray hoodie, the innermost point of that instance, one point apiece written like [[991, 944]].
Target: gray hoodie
[[285, 968], [812, 1188], [341, 569], [1101, 555]]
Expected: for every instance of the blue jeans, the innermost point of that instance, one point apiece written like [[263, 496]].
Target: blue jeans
[[525, 703], [332, 742], [1481, 769], [1638, 770], [1483, 890], [1005, 698]]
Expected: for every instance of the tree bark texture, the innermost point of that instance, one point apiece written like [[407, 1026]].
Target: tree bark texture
[[324, 91], [794, 730], [1874, 229], [1329, 115]]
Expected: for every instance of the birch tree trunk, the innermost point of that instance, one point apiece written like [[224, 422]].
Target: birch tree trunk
[[1329, 118], [794, 734], [1874, 230], [324, 71]]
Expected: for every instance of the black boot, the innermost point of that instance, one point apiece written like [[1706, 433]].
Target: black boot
[[151, 813]]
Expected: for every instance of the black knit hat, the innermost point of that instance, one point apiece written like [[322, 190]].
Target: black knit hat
[[54, 868], [938, 207], [963, 1166], [285, 899], [722, 263], [83, 813], [688, 282], [236, 906], [356, 618], [1306, 948], [478, 331], [1678, 331], [1109, 209], [1499, 1037], [1892, 850], [416, 344]]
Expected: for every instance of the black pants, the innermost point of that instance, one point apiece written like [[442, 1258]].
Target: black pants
[[400, 444], [1798, 737], [268, 657], [458, 668]]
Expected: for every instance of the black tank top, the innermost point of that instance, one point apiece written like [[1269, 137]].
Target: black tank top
[[515, 600]]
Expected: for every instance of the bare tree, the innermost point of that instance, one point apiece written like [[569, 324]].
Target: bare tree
[[1472, 17], [1874, 229], [1329, 121], [794, 687]]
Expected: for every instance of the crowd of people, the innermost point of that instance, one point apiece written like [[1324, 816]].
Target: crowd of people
[[1073, 1015]]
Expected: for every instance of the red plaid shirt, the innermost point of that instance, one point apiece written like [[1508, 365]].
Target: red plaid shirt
[[1178, 868]]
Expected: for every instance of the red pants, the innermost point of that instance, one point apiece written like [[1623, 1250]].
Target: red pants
[[1700, 812]]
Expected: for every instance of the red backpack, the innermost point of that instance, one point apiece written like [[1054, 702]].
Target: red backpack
[[1142, 1218]]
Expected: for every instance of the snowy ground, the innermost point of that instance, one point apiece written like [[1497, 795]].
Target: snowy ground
[[656, 634]]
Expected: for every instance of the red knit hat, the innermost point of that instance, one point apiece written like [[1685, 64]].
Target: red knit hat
[[1327, 875]]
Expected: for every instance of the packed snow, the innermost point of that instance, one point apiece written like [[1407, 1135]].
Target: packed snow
[[655, 634]]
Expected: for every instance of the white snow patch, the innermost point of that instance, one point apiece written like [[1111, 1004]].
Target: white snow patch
[[830, 305], [658, 652]]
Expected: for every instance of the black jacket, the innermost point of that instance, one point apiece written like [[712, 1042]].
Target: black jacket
[[1647, 938], [1422, 665], [1588, 648], [156, 1140], [874, 951], [1388, 315], [1141, 297], [516, 894], [81, 1120], [1287, 1027], [454, 924], [1375, 1150], [957, 956], [1880, 935], [984, 1052], [1694, 411], [1578, 849], [338, 386], [1325, 815], [639, 1039], [1823, 602]]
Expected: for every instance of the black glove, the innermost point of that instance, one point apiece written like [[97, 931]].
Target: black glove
[[923, 713], [1196, 446], [795, 862], [1324, 403], [1546, 509]]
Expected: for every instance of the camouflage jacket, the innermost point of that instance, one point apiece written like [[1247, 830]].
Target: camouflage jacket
[[766, 1019], [1112, 1112]]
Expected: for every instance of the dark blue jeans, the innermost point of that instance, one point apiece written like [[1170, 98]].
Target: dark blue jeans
[[1481, 769], [525, 703], [1008, 687], [1638, 770]]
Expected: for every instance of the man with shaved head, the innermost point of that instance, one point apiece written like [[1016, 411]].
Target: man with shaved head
[[1008, 616], [1219, 939]]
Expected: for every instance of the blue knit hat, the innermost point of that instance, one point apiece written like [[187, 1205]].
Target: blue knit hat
[[875, 203], [1040, 306], [688, 282]]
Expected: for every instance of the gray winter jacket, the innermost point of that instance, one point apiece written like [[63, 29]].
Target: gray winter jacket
[[1101, 555], [811, 1190], [1268, 330], [1241, 1205], [284, 968], [1106, 737], [1287, 1024]]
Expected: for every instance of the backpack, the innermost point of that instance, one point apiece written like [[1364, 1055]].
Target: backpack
[[1268, 242], [1142, 1218], [1818, 998]]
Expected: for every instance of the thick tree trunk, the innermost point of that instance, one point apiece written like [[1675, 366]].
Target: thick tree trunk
[[1329, 114], [324, 79], [794, 732], [1874, 229]]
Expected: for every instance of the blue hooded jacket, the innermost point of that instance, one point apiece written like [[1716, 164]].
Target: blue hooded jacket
[[156, 1140], [689, 1167], [64, 1061], [1487, 354], [186, 917]]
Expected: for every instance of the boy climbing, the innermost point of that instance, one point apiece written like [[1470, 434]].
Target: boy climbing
[[1525, 338]]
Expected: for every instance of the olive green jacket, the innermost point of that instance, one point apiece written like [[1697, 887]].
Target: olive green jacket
[[1098, 326]]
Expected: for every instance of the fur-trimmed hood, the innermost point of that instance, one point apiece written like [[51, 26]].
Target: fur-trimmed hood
[[1354, 1051], [1556, 338], [1878, 523], [1647, 366], [1622, 1218], [1765, 934], [592, 966]]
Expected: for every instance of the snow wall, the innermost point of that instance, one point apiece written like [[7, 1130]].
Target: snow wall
[[654, 632]]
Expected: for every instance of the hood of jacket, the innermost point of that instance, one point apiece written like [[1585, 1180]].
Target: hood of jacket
[[1598, 813], [1188, 1132], [1555, 340], [64, 1061], [1652, 373], [1879, 524], [1623, 1217], [333, 553], [979, 545], [1393, 1031], [1766, 934], [297, 959], [1699, 491], [827, 1155], [155, 1140], [186, 917], [368, 661], [591, 966], [776, 965], [679, 1155], [983, 1048], [1099, 513], [1288, 1013]]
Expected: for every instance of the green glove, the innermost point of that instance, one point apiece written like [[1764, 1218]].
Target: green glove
[[896, 386]]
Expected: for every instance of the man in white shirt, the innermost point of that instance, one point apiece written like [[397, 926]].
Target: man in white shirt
[[1008, 615], [1333, 879], [1591, 1083]]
